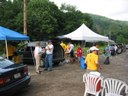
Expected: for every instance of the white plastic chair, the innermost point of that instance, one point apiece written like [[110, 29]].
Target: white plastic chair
[[114, 87], [92, 84]]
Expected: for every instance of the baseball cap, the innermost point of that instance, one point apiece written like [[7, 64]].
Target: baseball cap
[[94, 48]]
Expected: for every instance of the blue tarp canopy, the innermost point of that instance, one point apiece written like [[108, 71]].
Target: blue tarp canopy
[[7, 34]]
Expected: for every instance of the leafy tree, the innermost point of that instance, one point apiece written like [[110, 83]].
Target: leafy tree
[[73, 18], [115, 29], [43, 18], [8, 13], [67, 7], [120, 39]]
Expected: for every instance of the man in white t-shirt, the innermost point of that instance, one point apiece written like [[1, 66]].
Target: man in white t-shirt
[[49, 56], [71, 51]]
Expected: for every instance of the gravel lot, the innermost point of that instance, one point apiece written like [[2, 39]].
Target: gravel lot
[[66, 80]]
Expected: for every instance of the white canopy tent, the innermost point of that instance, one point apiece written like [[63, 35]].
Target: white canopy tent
[[84, 33]]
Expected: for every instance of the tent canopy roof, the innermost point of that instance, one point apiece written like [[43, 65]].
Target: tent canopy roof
[[7, 34], [84, 33]]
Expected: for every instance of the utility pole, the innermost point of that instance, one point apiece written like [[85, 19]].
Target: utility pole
[[109, 34], [25, 18]]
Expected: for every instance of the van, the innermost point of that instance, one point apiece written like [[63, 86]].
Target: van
[[27, 54]]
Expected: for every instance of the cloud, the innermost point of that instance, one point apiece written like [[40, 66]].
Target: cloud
[[114, 9]]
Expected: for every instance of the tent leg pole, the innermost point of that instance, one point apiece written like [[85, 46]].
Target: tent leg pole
[[33, 56], [6, 44]]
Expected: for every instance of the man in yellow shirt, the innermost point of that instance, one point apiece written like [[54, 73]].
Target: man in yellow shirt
[[92, 60], [63, 45], [10, 50]]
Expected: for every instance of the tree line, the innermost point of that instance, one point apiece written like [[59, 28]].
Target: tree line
[[45, 20]]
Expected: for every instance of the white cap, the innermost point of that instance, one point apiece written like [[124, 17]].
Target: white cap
[[94, 48]]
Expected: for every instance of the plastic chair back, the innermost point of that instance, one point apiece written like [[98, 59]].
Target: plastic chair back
[[114, 87], [92, 84]]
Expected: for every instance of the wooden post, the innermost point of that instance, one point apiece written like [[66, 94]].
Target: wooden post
[[25, 18]]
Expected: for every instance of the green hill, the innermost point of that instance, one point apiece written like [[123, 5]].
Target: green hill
[[114, 29]]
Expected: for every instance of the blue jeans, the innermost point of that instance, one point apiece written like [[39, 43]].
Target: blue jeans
[[79, 59], [48, 61]]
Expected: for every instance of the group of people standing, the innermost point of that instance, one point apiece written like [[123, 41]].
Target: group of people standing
[[68, 50], [48, 51], [91, 60], [70, 54]]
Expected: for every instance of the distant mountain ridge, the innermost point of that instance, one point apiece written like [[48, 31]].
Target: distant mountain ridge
[[114, 29]]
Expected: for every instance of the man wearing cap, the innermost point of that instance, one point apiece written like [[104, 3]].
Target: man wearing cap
[[49, 56], [92, 60]]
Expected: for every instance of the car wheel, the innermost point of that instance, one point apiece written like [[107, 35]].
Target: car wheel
[[119, 51]]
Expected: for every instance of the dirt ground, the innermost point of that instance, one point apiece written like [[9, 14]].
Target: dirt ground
[[66, 79]]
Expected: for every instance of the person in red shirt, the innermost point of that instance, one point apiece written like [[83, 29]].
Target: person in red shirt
[[79, 52]]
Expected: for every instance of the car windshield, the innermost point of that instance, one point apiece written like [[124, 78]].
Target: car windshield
[[4, 62]]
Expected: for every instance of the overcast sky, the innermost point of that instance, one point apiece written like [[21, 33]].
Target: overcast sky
[[114, 9]]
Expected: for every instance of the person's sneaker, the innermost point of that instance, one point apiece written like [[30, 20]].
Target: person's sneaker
[[38, 72], [49, 69], [45, 69]]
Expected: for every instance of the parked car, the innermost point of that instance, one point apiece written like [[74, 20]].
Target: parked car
[[126, 46], [13, 77], [28, 57], [120, 48]]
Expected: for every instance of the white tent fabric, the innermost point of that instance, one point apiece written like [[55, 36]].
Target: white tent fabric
[[84, 33]]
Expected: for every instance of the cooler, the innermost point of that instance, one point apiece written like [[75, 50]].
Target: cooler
[[82, 63]]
